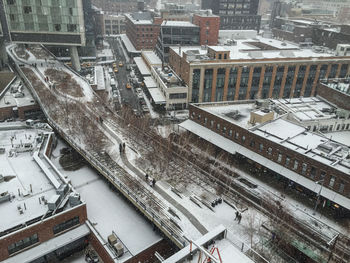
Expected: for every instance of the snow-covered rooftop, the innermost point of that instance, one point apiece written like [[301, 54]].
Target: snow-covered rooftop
[[151, 58], [141, 65], [99, 78], [287, 126], [341, 85], [255, 48], [25, 179], [16, 95], [129, 46], [178, 24]]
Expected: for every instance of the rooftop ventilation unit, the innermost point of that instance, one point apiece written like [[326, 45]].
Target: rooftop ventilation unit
[[74, 199]]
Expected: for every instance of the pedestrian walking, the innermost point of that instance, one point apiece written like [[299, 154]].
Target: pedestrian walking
[[146, 176], [237, 213], [120, 148], [153, 182], [239, 218]]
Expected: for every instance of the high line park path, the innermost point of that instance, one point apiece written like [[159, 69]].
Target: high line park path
[[75, 112]]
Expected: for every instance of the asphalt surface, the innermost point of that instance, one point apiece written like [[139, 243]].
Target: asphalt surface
[[128, 96]]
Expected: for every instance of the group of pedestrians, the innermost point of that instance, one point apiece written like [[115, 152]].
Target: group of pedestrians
[[151, 181], [122, 147], [238, 217]]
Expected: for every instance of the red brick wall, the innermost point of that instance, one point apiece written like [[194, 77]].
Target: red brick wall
[[210, 24], [147, 256], [142, 36], [334, 96], [22, 110], [101, 251], [6, 113], [276, 149], [43, 229]]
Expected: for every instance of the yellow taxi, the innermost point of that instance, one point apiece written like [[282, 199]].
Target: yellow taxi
[[114, 65], [116, 70], [128, 86], [120, 64]]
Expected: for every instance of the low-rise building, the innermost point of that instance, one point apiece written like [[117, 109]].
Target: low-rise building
[[254, 68], [336, 91], [283, 137], [42, 216], [17, 102], [169, 91]]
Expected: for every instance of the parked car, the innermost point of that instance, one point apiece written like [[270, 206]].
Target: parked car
[[121, 64]]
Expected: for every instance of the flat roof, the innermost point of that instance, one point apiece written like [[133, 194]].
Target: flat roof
[[129, 46], [178, 24], [232, 147], [16, 95], [157, 96], [27, 177], [152, 58], [288, 126], [141, 65], [149, 82], [99, 78], [341, 85], [254, 48]]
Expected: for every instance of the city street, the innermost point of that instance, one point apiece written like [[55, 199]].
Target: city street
[[127, 95]]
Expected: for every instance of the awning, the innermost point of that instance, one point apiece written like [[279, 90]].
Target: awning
[[50, 245], [157, 96], [142, 66], [233, 147], [149, 82]]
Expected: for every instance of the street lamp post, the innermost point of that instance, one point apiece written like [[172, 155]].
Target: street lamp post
[[318, 195]]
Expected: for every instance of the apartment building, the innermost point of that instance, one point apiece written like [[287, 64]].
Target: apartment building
[[254, 68]]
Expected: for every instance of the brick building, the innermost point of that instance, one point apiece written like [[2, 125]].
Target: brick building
[[320, 33], [42, 217], [17, 102], [283, 138], [254, 68], [336, 91], [142, 30], [209, 28]]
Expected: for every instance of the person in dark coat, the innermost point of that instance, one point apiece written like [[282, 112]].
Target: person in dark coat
[[237, 213], [239, 218]]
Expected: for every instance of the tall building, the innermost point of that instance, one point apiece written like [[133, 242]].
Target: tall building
[[235, 14], [176, 33], [254, 68], [58, 23]]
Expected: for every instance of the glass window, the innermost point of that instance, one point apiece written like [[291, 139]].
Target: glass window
[[269, 151], [236, 135], [230, 133], [224, 130], [296, 164], [261, 147], [341, 186], [279, 158], [211, 123], [304, 168], [23, 243], [312, 172], [243, 138], [332, 181], [205, 120], [218, 126], [287, 161], [66, 225]]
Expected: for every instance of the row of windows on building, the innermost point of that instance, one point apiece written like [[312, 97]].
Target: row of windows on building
[[285, 160], [287, 72], [33, 239]]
